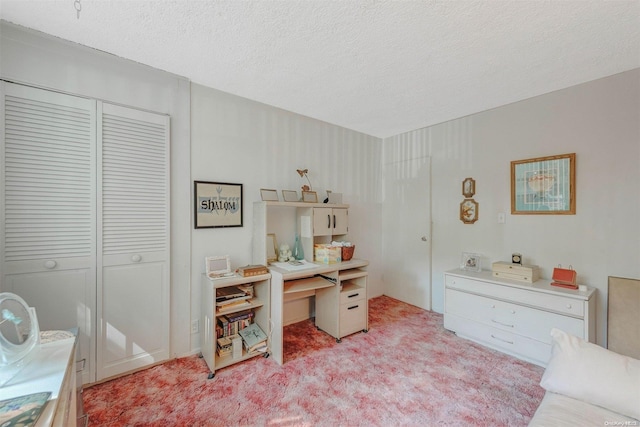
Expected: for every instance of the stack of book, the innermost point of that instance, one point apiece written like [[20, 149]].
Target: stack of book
[[230, 324], [231, 298], [253, 338], [225, 345]]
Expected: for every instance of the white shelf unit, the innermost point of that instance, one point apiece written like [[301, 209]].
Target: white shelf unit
[[515, 317], [260, 304], [313, 222]]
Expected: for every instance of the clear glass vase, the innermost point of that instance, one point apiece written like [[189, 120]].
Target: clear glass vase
[[298, 252]]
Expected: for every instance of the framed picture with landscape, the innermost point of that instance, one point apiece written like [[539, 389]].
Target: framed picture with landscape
[[544, 185]]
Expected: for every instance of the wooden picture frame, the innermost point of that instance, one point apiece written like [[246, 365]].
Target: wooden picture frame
[[544, 185], [290, 196], [272, 248], [310, 197], [468, 187], [217, 204], [268, 195], [470, 262], [217, 266], [469, 210]]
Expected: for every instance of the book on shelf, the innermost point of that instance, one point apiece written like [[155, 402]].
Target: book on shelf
[[229, 292], [247, 288], [238, 315], [232, 301], [225, 345], [237, 346], [225, 328], [253, 338], [233, 306]]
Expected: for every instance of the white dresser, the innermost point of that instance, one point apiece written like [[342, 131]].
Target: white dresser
[[515, 317], [52, 368]]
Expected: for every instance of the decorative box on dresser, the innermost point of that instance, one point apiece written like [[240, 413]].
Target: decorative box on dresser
[[516, 317]]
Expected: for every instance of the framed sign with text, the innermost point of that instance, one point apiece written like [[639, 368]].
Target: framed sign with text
[[217, 204]]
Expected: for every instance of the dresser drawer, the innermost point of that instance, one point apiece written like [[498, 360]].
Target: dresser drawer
[[351, 293], [525, 348], [532, 298], [353, 317], [518, 319]]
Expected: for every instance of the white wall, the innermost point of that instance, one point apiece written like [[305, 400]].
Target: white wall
[[37, 59], [237, 140], [599, 121]]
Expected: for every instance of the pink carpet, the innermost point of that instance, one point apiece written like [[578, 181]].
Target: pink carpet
[[407, 371]]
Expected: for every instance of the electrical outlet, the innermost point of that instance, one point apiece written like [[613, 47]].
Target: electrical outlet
[[195, 327]]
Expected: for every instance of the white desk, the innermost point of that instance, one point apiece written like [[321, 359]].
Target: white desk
[[282, 282], [51, 369]]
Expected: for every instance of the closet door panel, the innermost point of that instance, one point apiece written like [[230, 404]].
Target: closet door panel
[[134, 312], [48, 216], [133, 285], [59, 298]]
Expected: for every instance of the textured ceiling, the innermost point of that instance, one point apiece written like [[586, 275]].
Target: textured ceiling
[[378, 67]]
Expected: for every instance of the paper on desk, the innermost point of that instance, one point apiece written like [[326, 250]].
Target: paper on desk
[[286, 266]]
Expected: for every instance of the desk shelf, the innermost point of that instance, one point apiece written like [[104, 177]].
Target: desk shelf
[[310, 283]]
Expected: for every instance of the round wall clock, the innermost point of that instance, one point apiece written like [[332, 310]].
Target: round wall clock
[[469, 211]]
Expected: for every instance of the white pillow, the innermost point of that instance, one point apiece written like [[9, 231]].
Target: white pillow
[[595, 375]]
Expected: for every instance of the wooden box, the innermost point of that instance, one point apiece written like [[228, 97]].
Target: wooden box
[[522, 273]]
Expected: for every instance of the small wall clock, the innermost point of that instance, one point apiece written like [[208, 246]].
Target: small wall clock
[[468, 187], [469, 211]]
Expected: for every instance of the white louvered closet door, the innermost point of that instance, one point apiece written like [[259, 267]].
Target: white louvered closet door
[[48, 215], [133, 287]]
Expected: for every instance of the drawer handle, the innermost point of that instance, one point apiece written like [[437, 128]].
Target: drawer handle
[[503, 324], [352, 307], [500, 339], [353, 295], [50, 264], [569, 306], [136, 258]]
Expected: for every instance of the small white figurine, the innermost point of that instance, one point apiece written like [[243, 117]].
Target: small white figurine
[[285, 253]]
